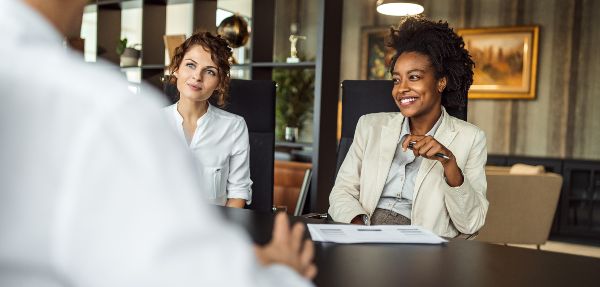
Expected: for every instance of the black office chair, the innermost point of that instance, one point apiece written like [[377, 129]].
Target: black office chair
[[361, 97], [254, 100]]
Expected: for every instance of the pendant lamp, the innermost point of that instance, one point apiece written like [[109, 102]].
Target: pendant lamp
[[399, 7]]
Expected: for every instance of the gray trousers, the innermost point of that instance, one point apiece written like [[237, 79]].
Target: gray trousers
[[387, 217]]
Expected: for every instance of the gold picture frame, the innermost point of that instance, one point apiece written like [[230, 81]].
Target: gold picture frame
[[375, 56], [506, 61]]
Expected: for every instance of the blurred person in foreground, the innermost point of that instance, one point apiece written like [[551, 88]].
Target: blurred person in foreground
[[95, 189], [393, 172]]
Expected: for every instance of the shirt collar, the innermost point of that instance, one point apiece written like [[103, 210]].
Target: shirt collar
[[406, 126], [209, 111]]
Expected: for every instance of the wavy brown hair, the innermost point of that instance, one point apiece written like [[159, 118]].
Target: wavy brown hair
[[445, 50], [220, 53]]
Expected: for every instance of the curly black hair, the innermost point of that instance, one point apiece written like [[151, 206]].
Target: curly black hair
[[220, 53], [445, 50]]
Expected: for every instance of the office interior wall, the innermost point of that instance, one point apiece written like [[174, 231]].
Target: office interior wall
[[564, 120]]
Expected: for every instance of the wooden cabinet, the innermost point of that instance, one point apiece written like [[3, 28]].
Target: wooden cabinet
[[580, 207]]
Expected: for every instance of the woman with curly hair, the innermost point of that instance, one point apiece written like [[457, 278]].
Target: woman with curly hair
[[420, 166], [217, 139]]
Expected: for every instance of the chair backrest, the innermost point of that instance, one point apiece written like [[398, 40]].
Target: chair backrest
[[254, 100], [521, 207], [290, 182], [361, 97]]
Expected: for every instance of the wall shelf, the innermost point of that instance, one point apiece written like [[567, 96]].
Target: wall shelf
[[118, 4], [144, 67], [310, 65], [287, 144]]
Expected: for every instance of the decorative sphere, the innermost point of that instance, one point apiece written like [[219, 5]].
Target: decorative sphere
[[235, 30]]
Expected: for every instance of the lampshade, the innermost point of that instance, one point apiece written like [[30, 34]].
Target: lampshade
[[399, 8]]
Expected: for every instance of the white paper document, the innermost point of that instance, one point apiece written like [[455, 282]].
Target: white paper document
[[351, 233]]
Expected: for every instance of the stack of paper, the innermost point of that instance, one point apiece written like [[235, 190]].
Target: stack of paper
[[372, 234]]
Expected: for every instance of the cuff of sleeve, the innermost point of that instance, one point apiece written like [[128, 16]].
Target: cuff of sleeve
[[456, 187], [347, 218], [241, 194]]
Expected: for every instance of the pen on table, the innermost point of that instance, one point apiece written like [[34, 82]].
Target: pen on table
[[439, 154]]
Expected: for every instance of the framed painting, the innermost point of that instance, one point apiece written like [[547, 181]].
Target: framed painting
[[375, 56], [505, 61]]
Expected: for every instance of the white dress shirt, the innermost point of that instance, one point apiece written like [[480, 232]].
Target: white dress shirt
[[221, 151], [95, 189]]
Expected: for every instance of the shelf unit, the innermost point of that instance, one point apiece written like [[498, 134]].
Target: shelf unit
[[305, 65], [326, 64], [153, 27], [327, 78], [580, 207]]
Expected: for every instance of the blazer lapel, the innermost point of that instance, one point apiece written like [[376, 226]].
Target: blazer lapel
[[387, 148], [445, 134]]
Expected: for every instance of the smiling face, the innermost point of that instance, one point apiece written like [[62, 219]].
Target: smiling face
[[197, 75], [416, 90]]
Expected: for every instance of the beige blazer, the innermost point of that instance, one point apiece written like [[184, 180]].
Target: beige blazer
[[445, 210]]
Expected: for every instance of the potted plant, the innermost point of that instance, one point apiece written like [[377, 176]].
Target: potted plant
[[294, 104], [130, 56]]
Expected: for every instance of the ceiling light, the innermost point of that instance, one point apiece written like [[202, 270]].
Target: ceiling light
[[399, 8]]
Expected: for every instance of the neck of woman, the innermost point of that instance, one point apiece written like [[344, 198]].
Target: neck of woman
[[422, 124], [191, 111]]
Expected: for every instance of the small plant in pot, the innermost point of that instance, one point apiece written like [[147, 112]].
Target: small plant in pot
[[130, 55], [294, 104]]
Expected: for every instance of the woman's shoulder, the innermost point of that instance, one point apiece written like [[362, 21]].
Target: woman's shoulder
[[379, 118], [226, 116], [465, 126], [170, 112]]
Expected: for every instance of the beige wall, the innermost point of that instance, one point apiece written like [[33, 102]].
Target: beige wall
[[564, 119]]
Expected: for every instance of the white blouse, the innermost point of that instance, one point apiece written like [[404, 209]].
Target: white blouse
[[221, 151]]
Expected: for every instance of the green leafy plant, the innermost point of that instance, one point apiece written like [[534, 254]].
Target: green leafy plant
[[121, 46], [295, 94]]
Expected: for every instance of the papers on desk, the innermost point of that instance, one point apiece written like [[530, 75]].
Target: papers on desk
[[351, 233]]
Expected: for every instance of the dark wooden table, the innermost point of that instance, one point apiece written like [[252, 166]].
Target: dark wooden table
[[457, 263]]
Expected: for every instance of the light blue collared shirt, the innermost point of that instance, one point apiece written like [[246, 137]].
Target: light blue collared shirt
[[397, 194]]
